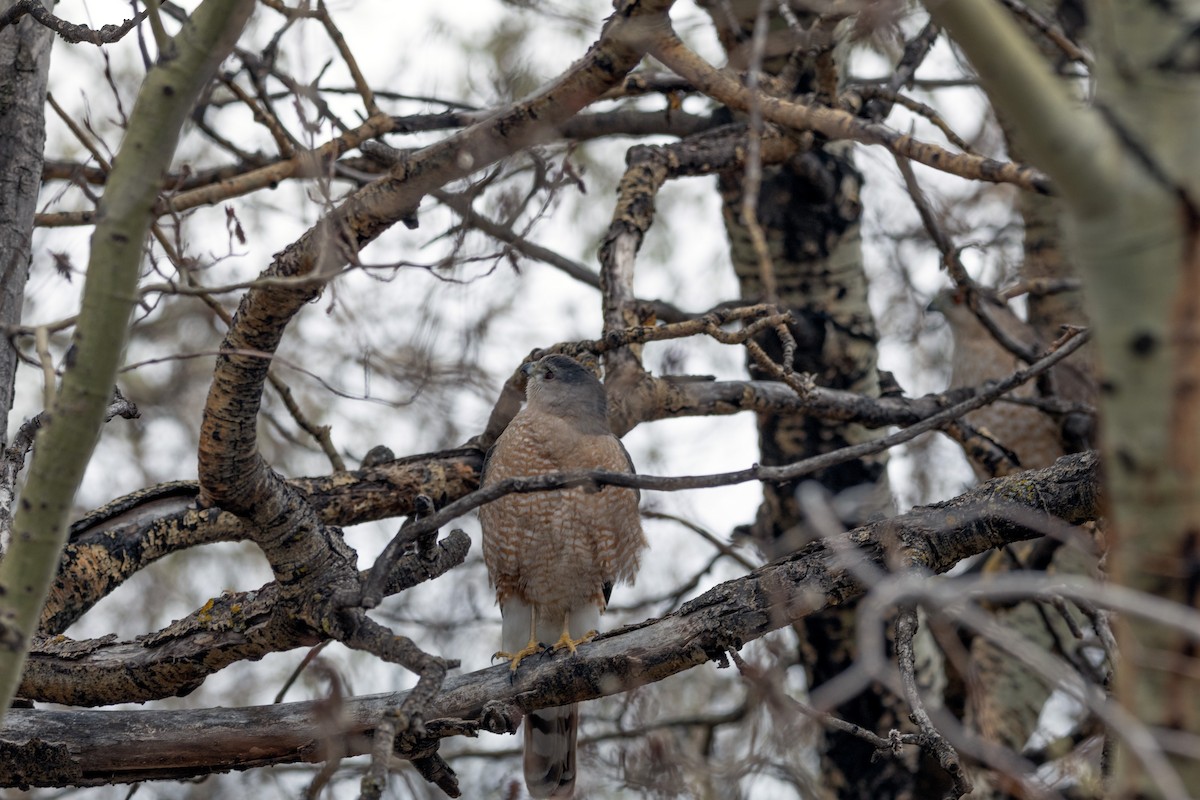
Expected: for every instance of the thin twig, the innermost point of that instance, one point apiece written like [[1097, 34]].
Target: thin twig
[[309, 657], [284, 141], [704, 534], [752, 182], [955, 267], [1050, 30], [956, 599], [460, 204], [49, 378], [68, 31], [835, 123], [889, 745], [928, 112], [339, 41], [906, 660]]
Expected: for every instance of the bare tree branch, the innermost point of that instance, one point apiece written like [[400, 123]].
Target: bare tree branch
[[69, 31], [96, 747], [838, 124]]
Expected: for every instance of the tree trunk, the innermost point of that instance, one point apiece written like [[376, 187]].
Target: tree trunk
[[1128, 174], [809, 211], [24, 66]]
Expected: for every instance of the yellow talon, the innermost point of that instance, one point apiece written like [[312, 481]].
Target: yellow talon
[[533, 648], [565, 642]]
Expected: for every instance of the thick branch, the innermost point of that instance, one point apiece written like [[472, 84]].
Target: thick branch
[[83, 747], [24, 69], [117, 540], [114, 542], [373, 590], [69, 31], [1069, 141], [232, 474], [236, 626], [648, 168], [218, 184]]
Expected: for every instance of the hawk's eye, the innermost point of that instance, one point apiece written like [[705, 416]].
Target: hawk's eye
[[548, 374]]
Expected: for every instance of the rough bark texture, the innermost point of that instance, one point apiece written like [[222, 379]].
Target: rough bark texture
[[233, 475], [1004, 698], [114, 542], [97, 747], [232, 627], [797, 251], [1150, 343], [24, 67]]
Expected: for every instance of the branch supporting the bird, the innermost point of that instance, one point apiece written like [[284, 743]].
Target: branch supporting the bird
[[94, 747]]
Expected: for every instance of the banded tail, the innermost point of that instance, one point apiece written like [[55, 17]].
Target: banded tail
[[550, 733], [550, 751]]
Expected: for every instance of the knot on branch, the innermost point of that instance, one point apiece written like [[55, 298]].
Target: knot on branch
[[721, 647], [500, 716]]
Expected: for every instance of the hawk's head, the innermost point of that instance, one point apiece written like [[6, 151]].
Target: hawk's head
[[560, 385]]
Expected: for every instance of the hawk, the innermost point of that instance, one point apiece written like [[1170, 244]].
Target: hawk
[[1033, 436], [554, 557]]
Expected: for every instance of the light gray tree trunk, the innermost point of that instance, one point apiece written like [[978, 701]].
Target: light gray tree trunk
[[24, 66], [1127, 172]]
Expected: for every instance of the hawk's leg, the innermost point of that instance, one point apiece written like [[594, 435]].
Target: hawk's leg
[[565, 642], [532, 648]]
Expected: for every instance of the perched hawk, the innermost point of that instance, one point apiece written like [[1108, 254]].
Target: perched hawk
[[1033, 436], [554, 556]]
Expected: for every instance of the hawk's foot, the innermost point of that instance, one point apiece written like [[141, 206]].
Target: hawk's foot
[[514, 659], [565, 642]]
